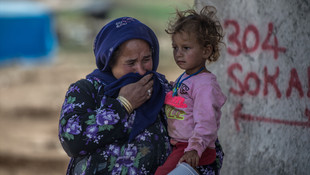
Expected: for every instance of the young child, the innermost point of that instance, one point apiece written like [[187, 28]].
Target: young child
[[193, 108]]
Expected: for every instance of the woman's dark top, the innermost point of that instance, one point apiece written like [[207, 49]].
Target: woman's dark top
[[94, 131]]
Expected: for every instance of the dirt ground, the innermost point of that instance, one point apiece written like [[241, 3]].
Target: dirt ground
[[30, 102]]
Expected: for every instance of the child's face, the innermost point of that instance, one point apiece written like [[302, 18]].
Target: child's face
[[188, 54]]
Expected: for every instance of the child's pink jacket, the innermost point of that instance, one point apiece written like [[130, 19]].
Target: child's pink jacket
[[194, 115]]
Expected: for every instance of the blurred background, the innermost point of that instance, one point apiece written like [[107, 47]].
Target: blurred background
[[45, 45]]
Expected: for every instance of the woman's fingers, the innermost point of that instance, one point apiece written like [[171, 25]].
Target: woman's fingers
[[139, 92], [147, 85], [145, 80], [150, 91]]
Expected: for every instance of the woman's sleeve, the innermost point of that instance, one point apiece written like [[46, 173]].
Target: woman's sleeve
[[87, 124]]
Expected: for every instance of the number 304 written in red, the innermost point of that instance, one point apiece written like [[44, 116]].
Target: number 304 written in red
[[243, 46]]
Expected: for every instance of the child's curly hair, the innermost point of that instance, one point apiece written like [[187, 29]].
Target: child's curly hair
[[204, 25]]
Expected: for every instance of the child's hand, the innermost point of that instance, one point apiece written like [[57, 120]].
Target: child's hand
[[190, 157], [171, 83]]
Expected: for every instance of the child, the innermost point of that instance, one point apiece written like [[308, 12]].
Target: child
[[193, 108]]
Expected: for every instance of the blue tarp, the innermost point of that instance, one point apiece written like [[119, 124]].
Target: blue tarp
[[27, 32]]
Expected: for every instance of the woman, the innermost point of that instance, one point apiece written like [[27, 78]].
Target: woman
[[112, 122]]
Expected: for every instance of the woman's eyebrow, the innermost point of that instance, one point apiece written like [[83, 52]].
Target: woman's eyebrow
[[130, 60], [147, 56]]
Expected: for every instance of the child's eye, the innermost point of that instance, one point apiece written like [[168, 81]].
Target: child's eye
[[186, 48]]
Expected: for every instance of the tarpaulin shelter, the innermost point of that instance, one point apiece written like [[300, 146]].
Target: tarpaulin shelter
[[27, 33]]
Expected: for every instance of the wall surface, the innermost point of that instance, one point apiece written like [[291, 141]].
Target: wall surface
[[265, 72]]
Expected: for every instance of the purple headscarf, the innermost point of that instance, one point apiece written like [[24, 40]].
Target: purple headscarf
[[117, 32]]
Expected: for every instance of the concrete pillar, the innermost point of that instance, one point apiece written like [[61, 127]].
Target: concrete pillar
[[265, 72]]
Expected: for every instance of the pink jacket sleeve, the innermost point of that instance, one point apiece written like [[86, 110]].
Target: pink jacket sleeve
[[208, 100]]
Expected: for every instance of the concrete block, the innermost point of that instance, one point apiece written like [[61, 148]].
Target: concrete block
[[265, 72]]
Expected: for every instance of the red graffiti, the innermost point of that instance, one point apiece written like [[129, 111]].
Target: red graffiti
[[244, 87], [267, 45], [231, 74], [294, 82], [272, 80], [233, 37], [253, 29], [251, 84], [247, 117], [275, 47], [255, 77]]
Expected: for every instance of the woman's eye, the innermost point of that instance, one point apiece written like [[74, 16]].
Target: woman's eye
[[147, 59], [131, 63]]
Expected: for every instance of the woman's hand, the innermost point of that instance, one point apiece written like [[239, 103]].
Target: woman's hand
[[137, 93], [190, 157]]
